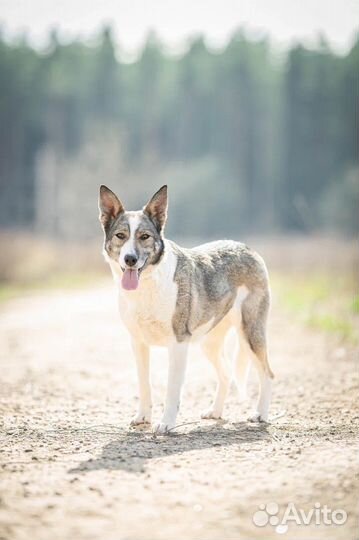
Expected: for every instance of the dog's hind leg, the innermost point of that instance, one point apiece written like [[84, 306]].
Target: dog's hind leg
[[242, 363], [254, 319], [142, 355], [213, 347]]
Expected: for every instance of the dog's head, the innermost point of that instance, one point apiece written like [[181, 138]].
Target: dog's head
[[134, 240]]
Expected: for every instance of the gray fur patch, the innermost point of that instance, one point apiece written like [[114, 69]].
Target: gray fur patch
[[208, 278]]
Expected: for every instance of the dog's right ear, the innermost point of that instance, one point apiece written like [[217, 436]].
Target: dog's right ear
[[109, 205]]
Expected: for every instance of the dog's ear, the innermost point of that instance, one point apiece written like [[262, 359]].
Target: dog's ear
[[156, 208], [109, 205]]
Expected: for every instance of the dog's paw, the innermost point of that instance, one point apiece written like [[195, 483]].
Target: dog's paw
[[140, 419], [162, 428], [256, 417], [211, 414]]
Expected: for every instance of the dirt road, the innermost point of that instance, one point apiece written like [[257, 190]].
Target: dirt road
[[71, 469]]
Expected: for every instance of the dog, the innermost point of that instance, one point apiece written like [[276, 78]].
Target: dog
[[170, 296]]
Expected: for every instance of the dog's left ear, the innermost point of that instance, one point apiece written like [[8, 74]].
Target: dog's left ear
[[156, 208]]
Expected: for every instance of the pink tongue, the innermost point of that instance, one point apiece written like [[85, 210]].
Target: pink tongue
[[130, 280]]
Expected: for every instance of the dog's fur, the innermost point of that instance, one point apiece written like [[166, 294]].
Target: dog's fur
[[183, 294]]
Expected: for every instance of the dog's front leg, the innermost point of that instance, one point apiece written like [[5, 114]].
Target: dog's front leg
[[176, 372], [142, 355]]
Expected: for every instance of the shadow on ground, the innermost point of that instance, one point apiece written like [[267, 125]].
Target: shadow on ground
[[135, 448]]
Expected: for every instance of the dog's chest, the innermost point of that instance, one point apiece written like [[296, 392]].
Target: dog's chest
[[148, 311]]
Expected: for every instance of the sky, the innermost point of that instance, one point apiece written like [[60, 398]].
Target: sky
[[285, 21]]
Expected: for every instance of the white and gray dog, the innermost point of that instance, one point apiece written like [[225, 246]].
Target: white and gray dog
[[170, 296]]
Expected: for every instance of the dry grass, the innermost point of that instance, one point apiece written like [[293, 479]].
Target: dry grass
[[28, 259], [33, 262]]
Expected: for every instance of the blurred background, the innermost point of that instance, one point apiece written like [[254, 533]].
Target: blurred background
[[248, 110]]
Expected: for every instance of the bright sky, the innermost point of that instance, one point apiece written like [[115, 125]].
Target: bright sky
[[174, 20]]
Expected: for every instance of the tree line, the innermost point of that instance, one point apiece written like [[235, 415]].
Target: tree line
[[248, 140]]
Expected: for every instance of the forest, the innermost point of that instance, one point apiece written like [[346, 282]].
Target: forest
[[250, 139]]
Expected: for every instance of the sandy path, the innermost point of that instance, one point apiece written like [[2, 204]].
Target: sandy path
[[72, 470]]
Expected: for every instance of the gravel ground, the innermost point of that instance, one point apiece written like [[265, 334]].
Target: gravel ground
[[72, 469]]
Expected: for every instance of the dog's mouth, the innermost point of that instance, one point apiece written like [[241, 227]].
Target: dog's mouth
[[130, 277]]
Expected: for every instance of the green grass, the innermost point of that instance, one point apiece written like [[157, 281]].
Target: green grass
[[304, 294], [322, 302], [333, 325], [355, 304]]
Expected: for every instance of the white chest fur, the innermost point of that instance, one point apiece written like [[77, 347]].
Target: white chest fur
[[147, 311]]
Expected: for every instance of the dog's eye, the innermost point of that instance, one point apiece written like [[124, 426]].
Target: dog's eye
[[144, 236], [121, 236]]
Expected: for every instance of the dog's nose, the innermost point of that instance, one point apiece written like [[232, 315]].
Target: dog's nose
[[130, 260]]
